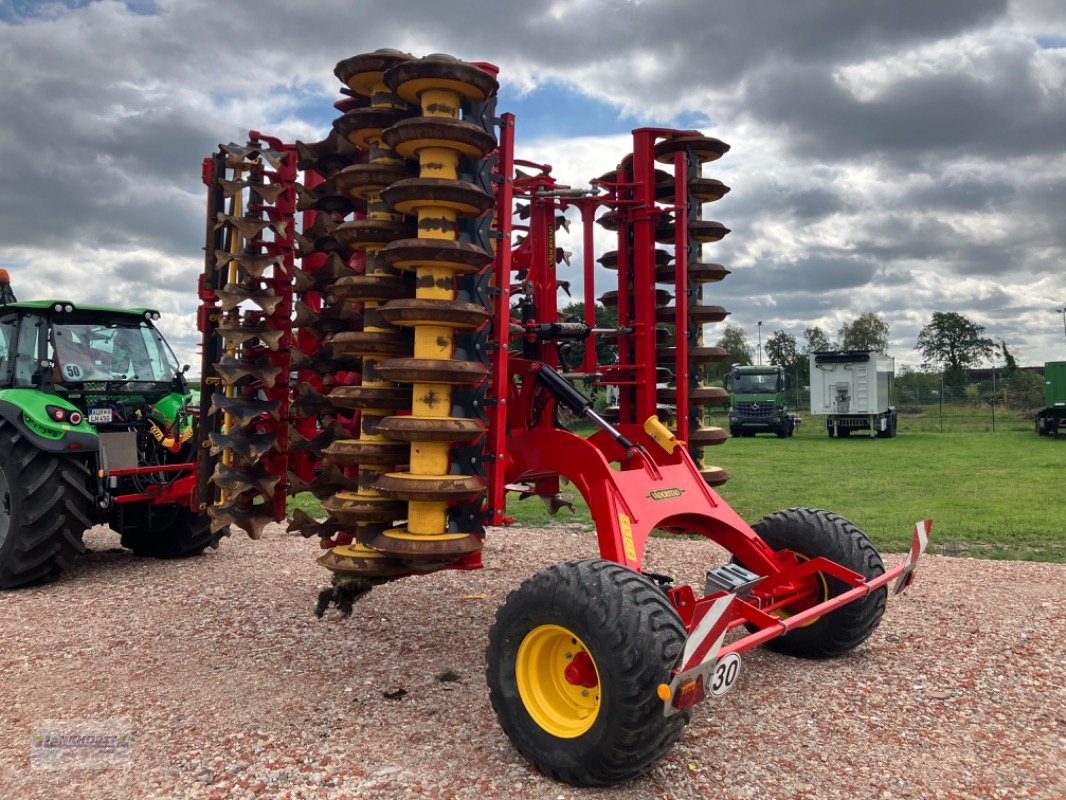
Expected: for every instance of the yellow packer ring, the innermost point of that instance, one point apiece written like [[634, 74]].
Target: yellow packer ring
[[561, 708]]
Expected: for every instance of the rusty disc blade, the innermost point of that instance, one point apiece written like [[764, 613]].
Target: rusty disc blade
[[232, 295], [704, 231], [363, 180], [360, 233], [714, 476], [431, 429], [428, 488], [707, 437], [358, 561], [371, 287], [352, 344], [307, 526], [349, 508], [408, 136], [708, 396], [244, 409], [363, 72], [440, 71], [446, 313], [238, 480], [705, 314], [409, 195], [365, 126], [249, 446], [699, 272], [399, 543], [348, 452], [429, 370], [393, 398], [704, 148], [453, 255], [251, 519], [707, 190]]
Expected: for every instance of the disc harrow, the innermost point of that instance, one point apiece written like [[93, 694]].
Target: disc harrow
[[416, 367]]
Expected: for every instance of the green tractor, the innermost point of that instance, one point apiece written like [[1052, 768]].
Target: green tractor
[[97, 425]]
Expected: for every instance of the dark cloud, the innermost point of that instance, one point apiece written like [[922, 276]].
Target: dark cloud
[[864, 176]]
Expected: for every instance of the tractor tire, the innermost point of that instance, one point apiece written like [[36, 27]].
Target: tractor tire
[[45, 504], [182, 534], [574, 660], [812, 532]]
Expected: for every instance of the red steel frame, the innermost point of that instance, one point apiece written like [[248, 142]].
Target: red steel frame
[[656, 484], [654, 487]]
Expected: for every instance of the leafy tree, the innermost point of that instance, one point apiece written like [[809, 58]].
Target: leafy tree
[[1010, 367], [816, 341], [572, 352], [735, 343], [868, 332], [954, 343], [782, 350]]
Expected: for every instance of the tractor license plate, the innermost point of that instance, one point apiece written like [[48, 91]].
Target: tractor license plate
[[98, 415]]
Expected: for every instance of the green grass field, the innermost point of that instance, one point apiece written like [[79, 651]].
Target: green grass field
[[992, 495]]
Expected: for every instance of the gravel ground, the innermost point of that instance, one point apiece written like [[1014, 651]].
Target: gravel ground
[[233, 689]]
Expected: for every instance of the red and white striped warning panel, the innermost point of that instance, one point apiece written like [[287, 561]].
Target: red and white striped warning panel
[[699, 670], [922, 530]]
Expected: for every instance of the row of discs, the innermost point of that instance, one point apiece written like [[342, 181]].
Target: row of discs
[[248, 405], [700, 190], [406, 344]]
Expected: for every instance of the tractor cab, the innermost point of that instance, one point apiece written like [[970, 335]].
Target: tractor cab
[[98, 359]]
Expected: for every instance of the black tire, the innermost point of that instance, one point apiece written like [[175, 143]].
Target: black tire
[[174, 532], [812, 532], [633, 635], [734, 431], [44, 510]]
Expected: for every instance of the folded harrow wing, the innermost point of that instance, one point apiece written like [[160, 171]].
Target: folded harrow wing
[[385, 333]]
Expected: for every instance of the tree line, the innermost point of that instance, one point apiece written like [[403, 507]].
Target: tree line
[[950, 344]]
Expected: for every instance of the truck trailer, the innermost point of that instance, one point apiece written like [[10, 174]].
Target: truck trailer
[[1051, 418], [852, 389]]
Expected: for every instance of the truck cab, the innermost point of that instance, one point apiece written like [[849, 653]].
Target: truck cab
[[757, 401]]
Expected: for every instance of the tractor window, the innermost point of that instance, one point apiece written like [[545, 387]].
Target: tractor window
[[7, 349], [27, 352], [767, 383], [113, 350]]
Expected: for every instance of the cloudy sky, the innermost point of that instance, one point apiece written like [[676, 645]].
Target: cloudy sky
[[898, 157]]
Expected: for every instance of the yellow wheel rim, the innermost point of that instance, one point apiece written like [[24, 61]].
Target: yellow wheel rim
[[560, 706]]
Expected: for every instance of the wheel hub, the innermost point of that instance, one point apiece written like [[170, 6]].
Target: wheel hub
[[558, 681]]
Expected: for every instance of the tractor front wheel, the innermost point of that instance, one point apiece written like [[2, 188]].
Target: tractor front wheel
[[813, 532], [171, 533], [575, 657], [44, 510]]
